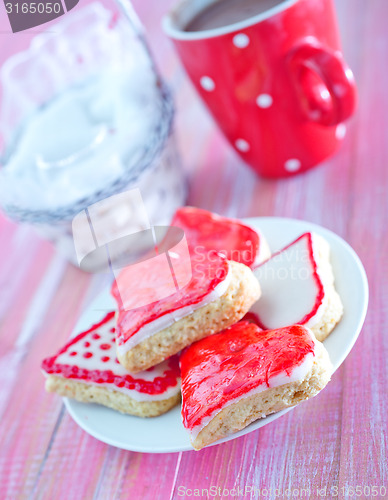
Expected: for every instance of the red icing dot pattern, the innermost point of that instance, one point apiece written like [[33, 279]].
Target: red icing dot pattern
[[157, 386], [105, 347], [86, 344], [73, 353]]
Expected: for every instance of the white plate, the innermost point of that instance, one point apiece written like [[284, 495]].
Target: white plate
[[166, 434]]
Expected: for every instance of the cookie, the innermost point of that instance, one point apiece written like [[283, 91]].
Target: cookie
[[205, 230], [86, 369], [298, 288], [244, 373], [219, 293]]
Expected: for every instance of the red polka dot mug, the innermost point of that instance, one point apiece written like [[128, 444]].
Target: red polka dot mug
[[276, 83]]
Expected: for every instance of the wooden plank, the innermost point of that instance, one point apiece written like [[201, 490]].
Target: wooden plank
[[28, 419], [365, 406]]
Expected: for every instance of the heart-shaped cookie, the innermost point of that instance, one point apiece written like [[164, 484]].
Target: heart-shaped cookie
[[298, 287], [243, 373], [208, 231]]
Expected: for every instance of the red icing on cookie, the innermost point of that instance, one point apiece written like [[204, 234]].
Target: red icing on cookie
[[317, 279], [205, 230], [227, 365], [208, 271], [159, 385]]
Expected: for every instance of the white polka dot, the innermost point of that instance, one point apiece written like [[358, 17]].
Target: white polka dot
[[264, 101], [207, 83], [241, 40], [242, 145], [340, 131], [292, 165]]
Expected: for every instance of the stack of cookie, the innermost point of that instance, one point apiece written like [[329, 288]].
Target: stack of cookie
[[239, 341]]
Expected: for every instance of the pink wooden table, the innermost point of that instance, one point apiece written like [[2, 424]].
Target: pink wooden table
[[339, 439]]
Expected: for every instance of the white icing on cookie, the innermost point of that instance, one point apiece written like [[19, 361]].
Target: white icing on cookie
[[293, 283]]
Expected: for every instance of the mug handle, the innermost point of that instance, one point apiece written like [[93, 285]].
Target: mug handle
[[324, 83]]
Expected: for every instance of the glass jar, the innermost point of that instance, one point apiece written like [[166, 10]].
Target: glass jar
[[85, 116]]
